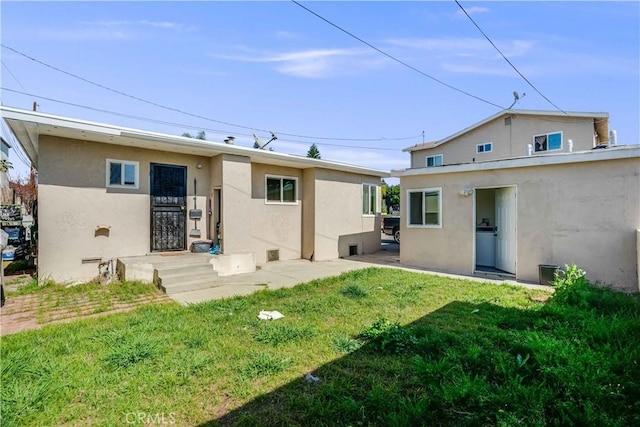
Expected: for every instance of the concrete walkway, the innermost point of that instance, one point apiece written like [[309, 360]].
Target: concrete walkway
[[286, 274]]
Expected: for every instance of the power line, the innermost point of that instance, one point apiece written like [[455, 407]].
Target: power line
[[13, 75], [396, 59], [506, 59], [180, 125], [17, 148], [177, 110]]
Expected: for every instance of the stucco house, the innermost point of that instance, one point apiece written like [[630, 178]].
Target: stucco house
[[107, 192], [522, 189]]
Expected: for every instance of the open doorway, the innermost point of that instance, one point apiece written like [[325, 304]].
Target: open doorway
[[495, 230]]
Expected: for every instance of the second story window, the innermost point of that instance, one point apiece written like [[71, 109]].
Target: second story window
[[547, 142], [432, 161], [487, 147]]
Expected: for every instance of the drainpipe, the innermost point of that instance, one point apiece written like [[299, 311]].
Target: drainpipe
[[570, 146]]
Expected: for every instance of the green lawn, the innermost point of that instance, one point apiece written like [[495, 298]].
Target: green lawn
[[390, 347]]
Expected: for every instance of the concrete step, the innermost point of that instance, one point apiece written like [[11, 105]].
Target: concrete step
[[143, 267], [173, 271], [208, 276], [188, 285], [166, 262]]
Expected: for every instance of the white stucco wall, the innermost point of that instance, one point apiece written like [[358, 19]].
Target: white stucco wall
[[583, 213], [510, 140], [275, 226], [74, 201], [339, 221]]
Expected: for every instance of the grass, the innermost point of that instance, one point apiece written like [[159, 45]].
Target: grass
[[390, 348]]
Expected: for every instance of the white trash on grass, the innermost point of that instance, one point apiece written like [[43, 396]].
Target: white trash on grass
[[309, 378], [270, 315]]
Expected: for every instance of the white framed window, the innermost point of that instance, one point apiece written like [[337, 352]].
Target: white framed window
[[122, 174], [432, 161], [486, 147], [369, 199], [425, 208], [281, 189], [547, 142]]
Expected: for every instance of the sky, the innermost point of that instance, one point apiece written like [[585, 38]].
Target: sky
[[361, 79]]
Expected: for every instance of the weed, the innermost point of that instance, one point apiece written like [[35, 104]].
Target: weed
[[128, 349], [280, 333], [346, 344], [389, 337], [353, 290], [264, 364]]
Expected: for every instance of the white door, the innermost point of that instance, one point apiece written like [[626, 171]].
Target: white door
[[506, 229]]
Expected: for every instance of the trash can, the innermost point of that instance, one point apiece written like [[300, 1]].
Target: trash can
[[201, 246], [547, 273]]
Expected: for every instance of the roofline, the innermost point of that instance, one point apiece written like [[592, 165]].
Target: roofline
[[214, 148], [423, 146], [611, 153]]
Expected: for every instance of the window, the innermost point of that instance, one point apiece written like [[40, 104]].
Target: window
[[434, 160], [425, 207], [122, 173], [487, 147], [547, 142], [369, 199], [281, 189]]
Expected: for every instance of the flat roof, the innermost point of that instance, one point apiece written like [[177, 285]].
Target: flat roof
[[28, 125], [610, 153]]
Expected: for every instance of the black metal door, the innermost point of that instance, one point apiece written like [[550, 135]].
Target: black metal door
[[168, 207]]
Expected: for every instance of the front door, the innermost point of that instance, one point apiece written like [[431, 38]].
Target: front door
[[506, 229], [168, 207]]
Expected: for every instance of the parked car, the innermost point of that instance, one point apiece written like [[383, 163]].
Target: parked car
[[391, 227]]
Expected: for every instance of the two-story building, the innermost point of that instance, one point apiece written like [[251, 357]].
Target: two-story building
[[522, 189]]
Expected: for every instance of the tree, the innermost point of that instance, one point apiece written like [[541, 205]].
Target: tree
[[26, 189], [390, 195], [200, 135], [313, 152]]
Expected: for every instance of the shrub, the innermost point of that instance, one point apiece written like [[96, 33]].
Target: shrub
[[571, 286]]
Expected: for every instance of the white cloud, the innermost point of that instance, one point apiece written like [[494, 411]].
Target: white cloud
[[315, 63], [473, 10], [467, 55], [479, 69], [109, 30], [143, 23]]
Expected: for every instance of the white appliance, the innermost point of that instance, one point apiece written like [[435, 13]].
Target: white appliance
[[486, 248]]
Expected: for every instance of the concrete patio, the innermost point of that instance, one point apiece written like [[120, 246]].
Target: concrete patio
[[285, 274]]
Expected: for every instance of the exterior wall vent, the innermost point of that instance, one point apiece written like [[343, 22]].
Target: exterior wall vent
[[353, 250], [507, 121], [91, 260], [273, 255]]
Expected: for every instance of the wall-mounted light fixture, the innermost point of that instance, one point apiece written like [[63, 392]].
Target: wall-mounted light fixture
[[466, 192], [199, 165]]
